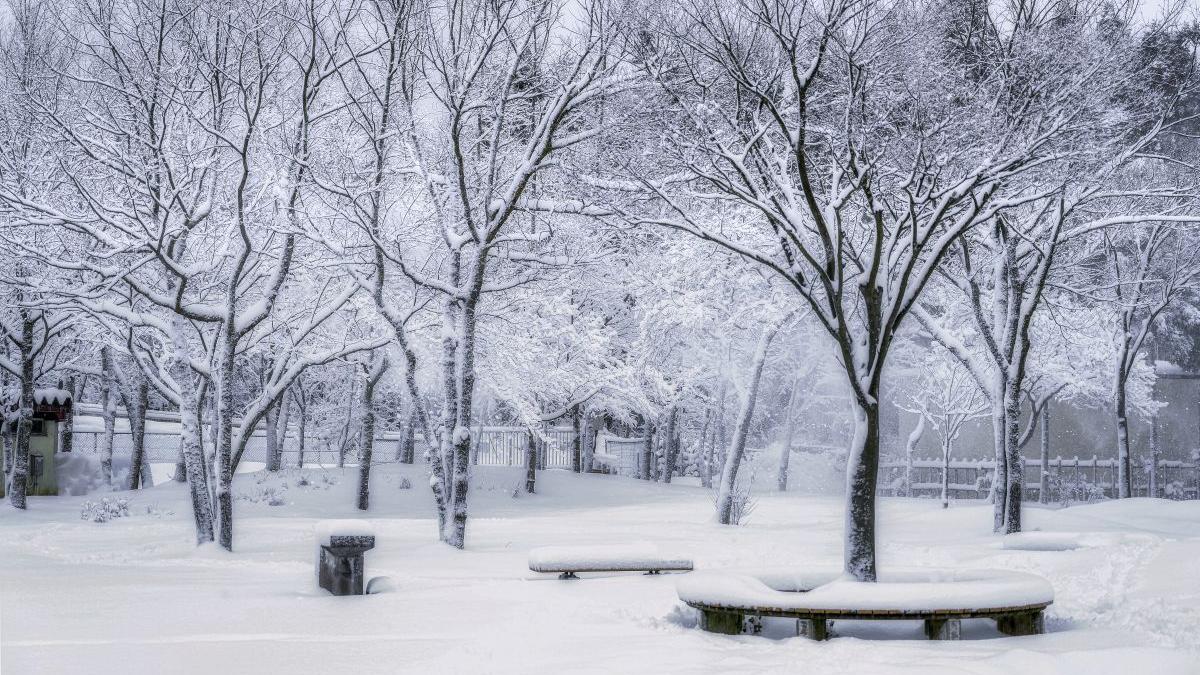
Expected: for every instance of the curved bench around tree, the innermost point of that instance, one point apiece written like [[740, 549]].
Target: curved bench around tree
[[941, 598]]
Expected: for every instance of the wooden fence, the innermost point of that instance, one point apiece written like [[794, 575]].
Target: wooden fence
[[1082, 477]]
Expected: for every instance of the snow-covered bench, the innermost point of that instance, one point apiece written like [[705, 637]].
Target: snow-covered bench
[[941, 598], [568, 561]]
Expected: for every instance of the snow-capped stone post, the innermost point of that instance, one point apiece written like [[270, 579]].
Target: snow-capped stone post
[[340, 567]]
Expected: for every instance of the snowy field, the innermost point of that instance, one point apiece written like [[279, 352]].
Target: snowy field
[[133, 595]]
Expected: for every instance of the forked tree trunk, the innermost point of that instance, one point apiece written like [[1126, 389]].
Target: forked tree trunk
[[190, 405]]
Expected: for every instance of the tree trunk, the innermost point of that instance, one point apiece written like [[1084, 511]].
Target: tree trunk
[[1124, 466], [702, 451], [530, 462], [671, 452], [647, 450], [20, 470], [408, 446], [720, 435], [909, 448], [789, 431], [862, 475], [576, 439], [67, 442], [139, 468], [274, 458], [180, 475], [1015, 465], [285, 414], [224, 452], [108, 401], [368, 434], [190, 405], [7, 438], [344, 439], [1155, 450], [589, 442], [1044, 474], [946, 448], [300, 442], [733, 458], [999, 487]]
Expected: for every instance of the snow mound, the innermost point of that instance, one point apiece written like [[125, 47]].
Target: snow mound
[[381, 585], [1062, 541], [604, 558], [912, 590], [351, 527], [77, 474]]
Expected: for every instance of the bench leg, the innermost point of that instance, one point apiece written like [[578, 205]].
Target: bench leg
[[650, 572], [567, 575], [943, 629], [716, 621], [813, 629], [1027, 623]]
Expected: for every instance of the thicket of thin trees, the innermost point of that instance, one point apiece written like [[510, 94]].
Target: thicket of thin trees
[[693, 223]]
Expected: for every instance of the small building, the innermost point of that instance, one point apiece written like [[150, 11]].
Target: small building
[[51, 407]]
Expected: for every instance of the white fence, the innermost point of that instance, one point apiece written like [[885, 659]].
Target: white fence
[[972, 478], [493, 446]]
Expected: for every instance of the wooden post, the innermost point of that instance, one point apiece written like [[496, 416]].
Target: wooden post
[[813, 629], [943, 629], [1026, 623], [717, 621]]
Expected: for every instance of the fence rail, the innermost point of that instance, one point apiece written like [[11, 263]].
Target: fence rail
[[1080, 477], [506, 446]]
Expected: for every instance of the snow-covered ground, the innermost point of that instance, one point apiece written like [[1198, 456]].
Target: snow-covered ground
[[133, 595]]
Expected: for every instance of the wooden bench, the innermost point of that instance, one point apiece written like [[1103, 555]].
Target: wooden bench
[[1014, 600], [569, 561]]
